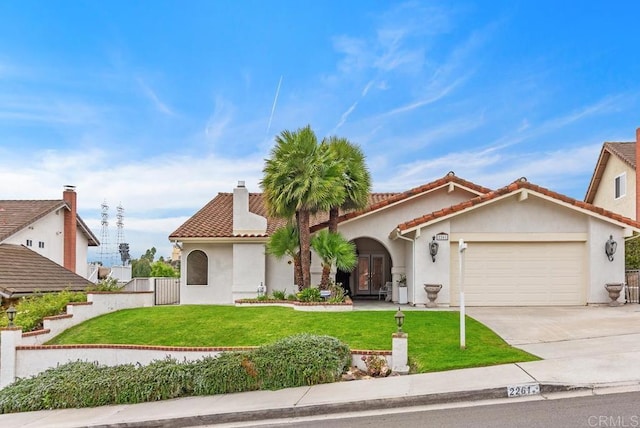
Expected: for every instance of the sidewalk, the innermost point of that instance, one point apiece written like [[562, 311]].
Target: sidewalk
[[589, 348]]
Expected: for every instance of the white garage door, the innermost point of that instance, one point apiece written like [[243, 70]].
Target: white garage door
[[520, 274]]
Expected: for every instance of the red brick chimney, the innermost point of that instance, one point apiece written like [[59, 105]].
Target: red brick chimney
[[638, 174], [70, 228]]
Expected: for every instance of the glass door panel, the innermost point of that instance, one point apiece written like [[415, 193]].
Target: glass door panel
[[363, 274]]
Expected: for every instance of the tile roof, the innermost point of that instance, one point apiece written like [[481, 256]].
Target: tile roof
[[626, 151], [514, 187], [394, 198], [215, 220], [15, 215], [23, 271]]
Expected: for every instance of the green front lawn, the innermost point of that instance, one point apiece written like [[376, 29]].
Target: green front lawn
[[434, 336]]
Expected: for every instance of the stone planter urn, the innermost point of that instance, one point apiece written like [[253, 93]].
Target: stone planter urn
[[432, 293], [614, 292]]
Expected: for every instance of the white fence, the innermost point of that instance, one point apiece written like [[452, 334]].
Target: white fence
[[167, 290]]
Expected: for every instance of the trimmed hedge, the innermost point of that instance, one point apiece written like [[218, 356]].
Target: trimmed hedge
[[294, 361]]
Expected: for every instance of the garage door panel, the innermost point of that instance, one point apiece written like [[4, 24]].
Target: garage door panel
[[521, 274]]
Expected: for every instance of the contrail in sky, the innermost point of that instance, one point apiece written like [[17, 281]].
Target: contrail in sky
[[273, 108]]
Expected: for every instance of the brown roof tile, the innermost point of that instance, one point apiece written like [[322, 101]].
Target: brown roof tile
[[23, 271], [511, 188], [215, 220]]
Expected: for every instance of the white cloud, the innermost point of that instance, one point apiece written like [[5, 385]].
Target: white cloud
[[151, 95]]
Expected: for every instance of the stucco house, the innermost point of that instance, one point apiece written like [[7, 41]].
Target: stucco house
[[614, 181], [527, 246], [40, 236]]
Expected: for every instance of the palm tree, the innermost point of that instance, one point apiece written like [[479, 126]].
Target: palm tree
[[286, 242], [356, 178], [332, 248], [301, 177]]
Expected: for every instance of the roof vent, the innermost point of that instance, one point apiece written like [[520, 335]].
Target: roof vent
[[450, 174], [240, 183], [522, 179]]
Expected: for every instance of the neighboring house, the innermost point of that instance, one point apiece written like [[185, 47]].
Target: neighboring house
[[50, 229], [23, 272], [526, 246], [614, 181]]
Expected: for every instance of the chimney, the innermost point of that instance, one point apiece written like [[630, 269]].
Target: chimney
[[70, 228], [638, 174], [244, 221]]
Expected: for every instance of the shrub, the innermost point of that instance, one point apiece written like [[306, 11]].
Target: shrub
[[292, 297], [279, 294], [337, 293], [311, 294], [293, 361], [30, 310], [301, 360]]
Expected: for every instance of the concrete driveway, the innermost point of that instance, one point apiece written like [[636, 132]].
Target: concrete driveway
[[565, 332]]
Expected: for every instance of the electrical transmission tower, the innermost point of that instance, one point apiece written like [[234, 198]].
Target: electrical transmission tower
[[105, 254]]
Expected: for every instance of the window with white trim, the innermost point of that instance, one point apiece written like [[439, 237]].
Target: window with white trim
[[29, 242], [40, 244], [197, 268], [620, 183]]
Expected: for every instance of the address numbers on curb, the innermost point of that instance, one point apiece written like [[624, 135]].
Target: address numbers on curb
[[524, 389]]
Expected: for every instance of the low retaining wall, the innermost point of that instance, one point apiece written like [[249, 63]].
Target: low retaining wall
[[24, 355], [34, 359], [98, 303]]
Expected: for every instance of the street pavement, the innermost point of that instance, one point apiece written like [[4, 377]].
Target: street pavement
[[591, 349]]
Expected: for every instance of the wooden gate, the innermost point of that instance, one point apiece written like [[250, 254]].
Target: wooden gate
[[167, 291]]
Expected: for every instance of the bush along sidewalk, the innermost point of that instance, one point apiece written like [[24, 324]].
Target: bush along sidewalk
[[293, 361]]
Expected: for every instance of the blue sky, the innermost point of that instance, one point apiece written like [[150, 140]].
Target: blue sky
[[160, 105]]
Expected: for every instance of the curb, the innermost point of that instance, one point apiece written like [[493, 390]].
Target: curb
[[331, 408]]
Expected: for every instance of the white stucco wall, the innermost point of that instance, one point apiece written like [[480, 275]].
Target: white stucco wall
[[249, 268], [601, 270], [220, 275], [429, 272], [533, 215], [279, 275], [49, 229], [605, 195]]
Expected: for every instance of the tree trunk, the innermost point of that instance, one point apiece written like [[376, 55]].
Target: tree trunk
[[297, 271], [326, 271], [333, 220], [305, 247]]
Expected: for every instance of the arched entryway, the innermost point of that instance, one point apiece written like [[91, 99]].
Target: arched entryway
[[371, 272]]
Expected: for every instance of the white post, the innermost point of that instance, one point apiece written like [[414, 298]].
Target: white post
[[461, 247], [400, 353], [10, 338]]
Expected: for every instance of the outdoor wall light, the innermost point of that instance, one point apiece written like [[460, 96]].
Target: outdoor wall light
[[11, 314], [610, 247], [433, 248], [399, 319], [261, 290]]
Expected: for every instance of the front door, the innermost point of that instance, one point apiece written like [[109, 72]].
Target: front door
[[370, 274]]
